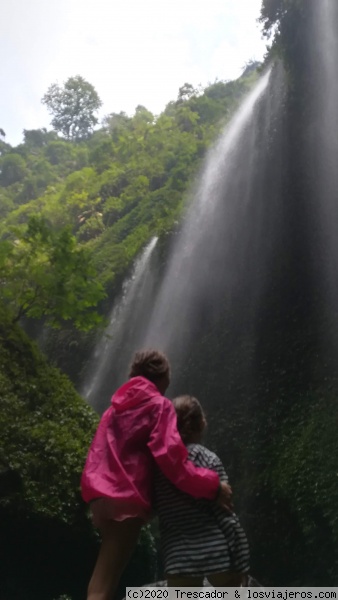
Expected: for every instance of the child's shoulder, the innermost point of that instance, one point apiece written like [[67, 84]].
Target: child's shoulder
[[201, 453]]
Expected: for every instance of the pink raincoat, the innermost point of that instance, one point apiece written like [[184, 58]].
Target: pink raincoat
[[138, 428]]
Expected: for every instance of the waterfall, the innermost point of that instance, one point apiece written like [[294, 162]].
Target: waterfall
[[245, 300], [321, 155], [326, 123], [193, 263], [105, 363], [218, 261]]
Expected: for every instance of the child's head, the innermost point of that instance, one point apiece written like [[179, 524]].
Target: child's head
[[191, 419], [153, 365]]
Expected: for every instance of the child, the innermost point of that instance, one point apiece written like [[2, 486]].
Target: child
[[198, 538], [137, 430]]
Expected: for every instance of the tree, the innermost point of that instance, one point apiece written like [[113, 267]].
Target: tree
[[44, 273], [6, 203], [116, 123], [142, 114], [186, 118], [37, 138], [12, 169], [73, 106], [273, 12], [59, 152], [4, 148], [185, 92], [288, 24], [250, 66]]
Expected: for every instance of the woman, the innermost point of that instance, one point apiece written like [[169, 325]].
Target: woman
[[136, 431]]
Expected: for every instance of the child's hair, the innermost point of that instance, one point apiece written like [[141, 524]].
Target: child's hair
[[190, 417], [151, 364]]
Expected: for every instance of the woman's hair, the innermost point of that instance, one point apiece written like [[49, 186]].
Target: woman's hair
[[151, 364], [190, 417]]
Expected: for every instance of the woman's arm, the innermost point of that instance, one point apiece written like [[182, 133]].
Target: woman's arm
[[171, 455]]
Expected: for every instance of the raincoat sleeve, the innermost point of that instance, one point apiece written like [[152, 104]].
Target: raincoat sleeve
[[171, 456]]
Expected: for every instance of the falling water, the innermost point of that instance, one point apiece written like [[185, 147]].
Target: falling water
[[324, 149], [325, 111], [219, 259], [195, 261], [246, 306], [123, 320]]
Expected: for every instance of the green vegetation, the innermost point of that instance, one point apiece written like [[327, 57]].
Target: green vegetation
[[304, 474], [46, 429], [73, 107], [75, 212], [125, 183], [44, 274], [48, 546]]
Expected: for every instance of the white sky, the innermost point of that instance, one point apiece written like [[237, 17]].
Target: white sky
[[132, 51]]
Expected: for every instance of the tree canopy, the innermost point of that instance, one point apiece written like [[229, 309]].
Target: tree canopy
[[44, 274], [140, 168], [12, 169], [73, 107]]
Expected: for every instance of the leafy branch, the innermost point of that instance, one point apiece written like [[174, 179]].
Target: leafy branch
[[45, 273]]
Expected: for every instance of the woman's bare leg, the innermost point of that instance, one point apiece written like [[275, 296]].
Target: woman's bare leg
[[119, 539]]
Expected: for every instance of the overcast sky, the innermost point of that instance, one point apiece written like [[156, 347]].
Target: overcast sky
[[132, 51]]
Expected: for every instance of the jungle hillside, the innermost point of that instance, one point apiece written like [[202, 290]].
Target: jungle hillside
[[255, 334]]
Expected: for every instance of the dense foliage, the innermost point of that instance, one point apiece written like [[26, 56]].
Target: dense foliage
[[70, 209], [123, 185], [44, 274], [73, 107], [48, 545]]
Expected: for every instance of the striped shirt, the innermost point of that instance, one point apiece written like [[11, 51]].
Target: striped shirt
[[197, 536]]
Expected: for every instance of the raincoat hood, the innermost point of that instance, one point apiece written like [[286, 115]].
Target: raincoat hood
[[134, 392]]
